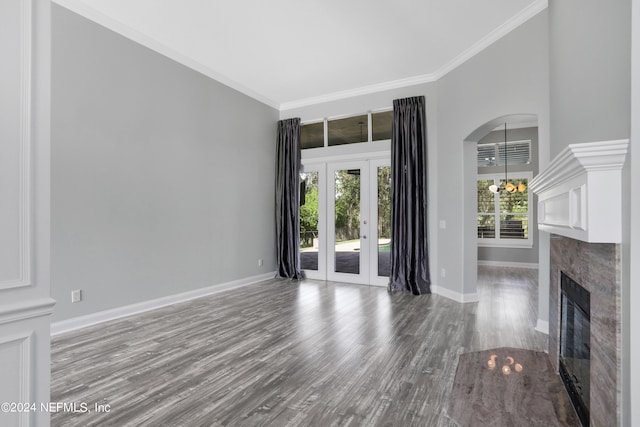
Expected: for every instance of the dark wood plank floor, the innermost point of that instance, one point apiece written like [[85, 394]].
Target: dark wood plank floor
[[281, 353]]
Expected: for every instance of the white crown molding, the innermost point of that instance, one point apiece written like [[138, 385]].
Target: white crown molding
[[523, 16], [577, 159], [100, 18], [141, 307], [94, 15], [364, 90], [580, 192]]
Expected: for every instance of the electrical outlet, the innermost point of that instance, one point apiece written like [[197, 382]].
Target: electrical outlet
[[443, 224], [76, 296], [259, 262], [443, 272]]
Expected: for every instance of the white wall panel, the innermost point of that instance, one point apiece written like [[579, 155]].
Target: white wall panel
[[15, 102], [25, 304], [16, 351]]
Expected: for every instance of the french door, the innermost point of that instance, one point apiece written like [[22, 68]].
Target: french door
[[345, 221]]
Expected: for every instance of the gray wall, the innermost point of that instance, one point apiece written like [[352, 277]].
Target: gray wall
[[509, 77], [162, 179], [590, 66], [516, 255], [590, 72]]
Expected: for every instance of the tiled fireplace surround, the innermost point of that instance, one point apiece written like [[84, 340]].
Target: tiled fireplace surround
[[580, 204], [596, 267]]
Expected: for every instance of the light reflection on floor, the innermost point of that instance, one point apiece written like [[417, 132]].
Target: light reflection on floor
[[354, 312], [502, 317]]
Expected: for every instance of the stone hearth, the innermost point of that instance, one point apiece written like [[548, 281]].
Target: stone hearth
[[529, 393]]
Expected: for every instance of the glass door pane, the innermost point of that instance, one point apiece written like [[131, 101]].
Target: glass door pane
[[347, 227], [347, 221], [309, 236], [380, 228], [384, 220], [313, 219]]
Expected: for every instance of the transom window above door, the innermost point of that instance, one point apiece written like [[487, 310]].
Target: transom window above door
[[353, 129]]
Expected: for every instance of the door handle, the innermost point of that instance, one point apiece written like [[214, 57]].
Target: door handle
[[364, 237]]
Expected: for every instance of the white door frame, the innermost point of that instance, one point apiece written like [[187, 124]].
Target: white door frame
[[374, 278], [325, 167]]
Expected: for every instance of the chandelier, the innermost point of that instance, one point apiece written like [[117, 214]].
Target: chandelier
[[508, 187]]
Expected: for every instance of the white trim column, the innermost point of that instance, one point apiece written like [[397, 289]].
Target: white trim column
[[631, 370], [25, 303]]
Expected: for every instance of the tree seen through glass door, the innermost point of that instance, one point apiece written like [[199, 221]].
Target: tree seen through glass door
[[384, 220], [347, 221], [309, 221]]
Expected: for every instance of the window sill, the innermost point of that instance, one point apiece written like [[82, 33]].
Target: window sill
[[527, 244]]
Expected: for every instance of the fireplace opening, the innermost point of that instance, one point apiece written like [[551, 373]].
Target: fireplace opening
[[575, 335]]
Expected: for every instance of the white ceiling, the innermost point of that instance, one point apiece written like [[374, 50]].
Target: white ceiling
[[288, 53]]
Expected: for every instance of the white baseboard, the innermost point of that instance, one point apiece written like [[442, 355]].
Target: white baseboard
[[128, 310], [543, 326], [508, 264], [456, 296]]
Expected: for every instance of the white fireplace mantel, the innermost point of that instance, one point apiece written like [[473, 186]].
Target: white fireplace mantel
[[580, 192]]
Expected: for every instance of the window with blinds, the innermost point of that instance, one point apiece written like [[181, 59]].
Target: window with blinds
[[494, 154], [503, 218]]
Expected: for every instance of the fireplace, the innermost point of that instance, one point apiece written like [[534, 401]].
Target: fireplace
[[575, 344], [596, 268], [580, 204]]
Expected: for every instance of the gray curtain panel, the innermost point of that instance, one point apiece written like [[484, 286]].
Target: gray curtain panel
[[409, 249], [288, 198]]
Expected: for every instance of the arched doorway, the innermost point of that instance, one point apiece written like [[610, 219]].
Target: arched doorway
[[470, 181]]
